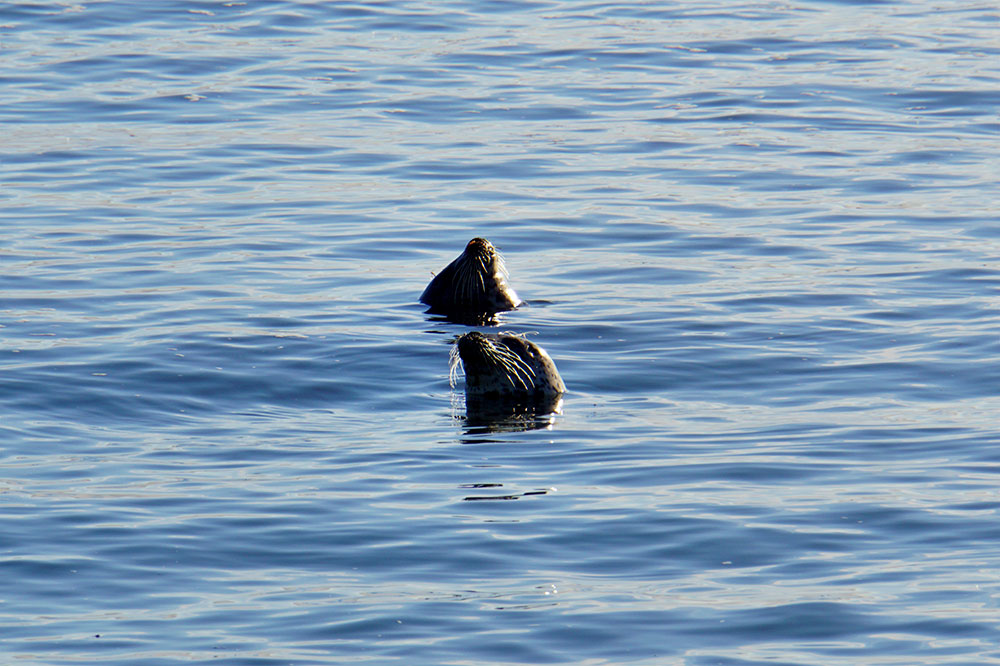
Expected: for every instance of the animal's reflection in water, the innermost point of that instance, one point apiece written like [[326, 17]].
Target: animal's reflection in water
[[501, 495], [495, 415]]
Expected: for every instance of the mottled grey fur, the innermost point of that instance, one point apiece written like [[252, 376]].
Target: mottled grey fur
[[505, 365]]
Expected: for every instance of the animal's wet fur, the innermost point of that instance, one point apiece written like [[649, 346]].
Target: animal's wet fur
[[473, 287], [504, 365]]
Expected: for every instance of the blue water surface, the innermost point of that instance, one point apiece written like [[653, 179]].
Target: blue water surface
[[760, 241]]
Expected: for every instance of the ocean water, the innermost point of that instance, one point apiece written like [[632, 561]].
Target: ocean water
[[760, 242]]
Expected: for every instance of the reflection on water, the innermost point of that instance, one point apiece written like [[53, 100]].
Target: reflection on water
[[498, 487], [466, 318], [479, 416]]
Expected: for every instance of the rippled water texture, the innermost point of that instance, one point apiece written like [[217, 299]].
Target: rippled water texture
[[759, 240]]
